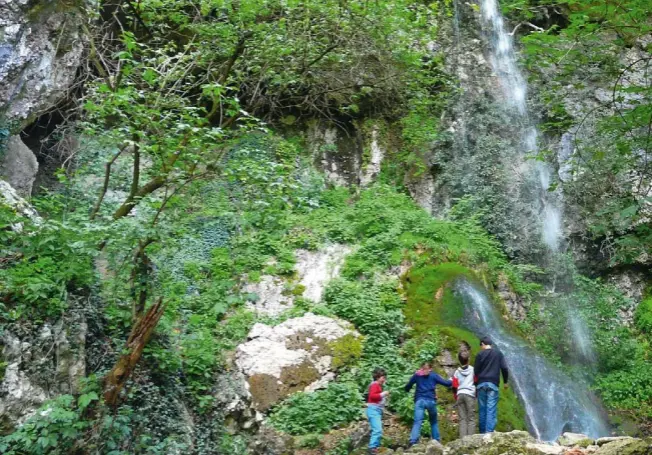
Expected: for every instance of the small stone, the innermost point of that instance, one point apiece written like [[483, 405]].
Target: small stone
[[544, 449], [434, 448]]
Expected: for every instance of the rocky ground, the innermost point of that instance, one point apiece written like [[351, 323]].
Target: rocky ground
[[521, 443]]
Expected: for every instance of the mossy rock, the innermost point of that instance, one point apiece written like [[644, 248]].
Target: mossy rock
[[512, 443], [627, 447]]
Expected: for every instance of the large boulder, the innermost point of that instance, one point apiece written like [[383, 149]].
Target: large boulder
[[297, 355], [18, 166], [41, 47]]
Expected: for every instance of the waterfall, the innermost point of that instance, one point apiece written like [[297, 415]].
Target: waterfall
[[554, 402], [504, 63]]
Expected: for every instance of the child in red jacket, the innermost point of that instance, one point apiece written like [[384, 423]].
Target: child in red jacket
[[375, 404]]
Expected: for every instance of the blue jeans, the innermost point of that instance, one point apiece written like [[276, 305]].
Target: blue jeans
[[488, 406], [375, 417], [420, 408]]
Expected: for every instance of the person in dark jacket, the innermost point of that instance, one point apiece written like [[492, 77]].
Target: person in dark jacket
[[489, 364], [425, 398]]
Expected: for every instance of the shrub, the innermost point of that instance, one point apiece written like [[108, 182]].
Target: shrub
[[346, 350], [320, 411], [628, 389]]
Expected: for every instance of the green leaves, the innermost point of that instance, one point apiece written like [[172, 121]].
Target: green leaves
[[87, 398], [320, 411]]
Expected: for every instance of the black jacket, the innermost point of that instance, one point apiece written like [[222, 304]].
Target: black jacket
[[488, 366]]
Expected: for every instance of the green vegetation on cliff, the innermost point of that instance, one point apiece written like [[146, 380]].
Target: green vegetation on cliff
[[194, 174]]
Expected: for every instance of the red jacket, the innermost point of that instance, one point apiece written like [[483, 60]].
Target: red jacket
[[375, 391]]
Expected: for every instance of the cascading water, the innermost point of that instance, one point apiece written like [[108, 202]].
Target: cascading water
[[554, 402], [514, 87]]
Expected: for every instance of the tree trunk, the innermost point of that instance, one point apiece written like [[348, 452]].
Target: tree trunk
[[115, 380]]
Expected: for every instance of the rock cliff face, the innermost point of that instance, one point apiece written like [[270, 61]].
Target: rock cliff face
[[41, 47]]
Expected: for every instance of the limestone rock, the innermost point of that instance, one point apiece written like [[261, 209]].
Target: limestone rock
[[39, 367], [293, 356], [10, 198], [234, 399], [626, 447], [271, 299], [19, 395], [268, 441], [18, 166], [340, 151], [434, 448], [516, 305], [314, 270], [575, 439], [317, 268], [377, 152], [41, 47]]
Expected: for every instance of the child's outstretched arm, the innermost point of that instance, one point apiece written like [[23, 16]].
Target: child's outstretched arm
[[445, 382], [411, 382]]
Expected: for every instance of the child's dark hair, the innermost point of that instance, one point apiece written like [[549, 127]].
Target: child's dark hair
[[378, 373], [463, 357]]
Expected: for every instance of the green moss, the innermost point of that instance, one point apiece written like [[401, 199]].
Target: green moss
[[430, 300], [298, 290], [346, 350]]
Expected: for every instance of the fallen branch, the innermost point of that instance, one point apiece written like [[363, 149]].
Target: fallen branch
[[116, 379]]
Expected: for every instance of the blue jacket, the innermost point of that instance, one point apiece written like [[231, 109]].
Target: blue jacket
[[426, 384]]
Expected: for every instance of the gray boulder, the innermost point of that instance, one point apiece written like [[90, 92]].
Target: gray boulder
[[18, 166]]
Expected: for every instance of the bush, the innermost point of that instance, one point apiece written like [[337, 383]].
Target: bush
[[643, 316], [629, 389], [320, 411]]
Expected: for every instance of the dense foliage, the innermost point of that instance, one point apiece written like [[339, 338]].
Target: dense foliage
[[193, 177]]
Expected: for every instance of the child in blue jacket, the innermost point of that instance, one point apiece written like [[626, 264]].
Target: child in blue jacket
[[425, 398]]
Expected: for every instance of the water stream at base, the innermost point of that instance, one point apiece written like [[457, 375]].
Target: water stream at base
[[554, 402], [504, 63]]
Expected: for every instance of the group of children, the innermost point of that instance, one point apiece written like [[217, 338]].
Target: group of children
[[469, 384]]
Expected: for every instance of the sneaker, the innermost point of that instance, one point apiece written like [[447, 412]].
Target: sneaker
[[373, 451]]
